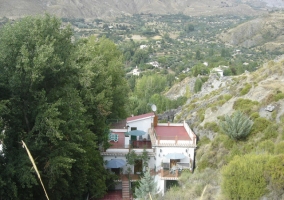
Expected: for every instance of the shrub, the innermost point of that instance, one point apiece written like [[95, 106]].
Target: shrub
[[198, 85], [259, 125], [201, 115], [246, 89], [279, 148], [254, 115], [279, 96], [237, 126], [245, 105], [204, 140], [270, 132], [227, 97], [266, 146], [212, 126], [243, 177], [275, 174]]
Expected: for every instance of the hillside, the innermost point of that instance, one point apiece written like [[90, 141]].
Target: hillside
[[114, 8], [266, 32], [250, 93]]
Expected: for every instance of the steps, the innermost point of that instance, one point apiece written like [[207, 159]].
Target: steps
[[125, 190]]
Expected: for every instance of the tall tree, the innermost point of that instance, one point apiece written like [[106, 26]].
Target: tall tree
[[41, 96], [103, 86]]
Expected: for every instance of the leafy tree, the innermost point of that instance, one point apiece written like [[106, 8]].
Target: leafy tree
[[149, 85], [237, 126], [47, 102], [198, 55], [189, 28], [140, 56], [147, 185]]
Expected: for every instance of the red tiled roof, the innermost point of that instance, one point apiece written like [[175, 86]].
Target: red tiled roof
[[171, 132], [140, 117]]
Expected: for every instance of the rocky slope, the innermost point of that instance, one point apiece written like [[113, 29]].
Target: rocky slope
[[218, 96], [114, 8], [266, 31]]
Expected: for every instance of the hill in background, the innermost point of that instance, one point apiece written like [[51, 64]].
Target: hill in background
[[113, 8], [265, 32]]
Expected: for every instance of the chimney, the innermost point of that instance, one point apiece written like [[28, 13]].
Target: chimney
[[155, 120]]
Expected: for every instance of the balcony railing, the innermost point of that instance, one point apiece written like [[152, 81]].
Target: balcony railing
[[174, 172], [141, 144]]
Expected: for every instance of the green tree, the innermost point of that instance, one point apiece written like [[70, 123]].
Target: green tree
[[147, 185], [198, 55], [149, 85], [237, 126], [45, 103]]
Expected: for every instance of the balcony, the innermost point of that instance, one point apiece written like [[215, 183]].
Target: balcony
[[174, 172], [141, 144]]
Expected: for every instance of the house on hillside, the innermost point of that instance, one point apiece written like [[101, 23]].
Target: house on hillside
[[219, 70], [136, 71], [154, 64], [143, 46], [170, 149]]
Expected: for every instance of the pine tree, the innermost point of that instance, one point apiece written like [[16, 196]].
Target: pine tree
[[237, 126], [147, 186]]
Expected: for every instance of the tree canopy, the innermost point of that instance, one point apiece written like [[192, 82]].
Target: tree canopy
[[56, 96]]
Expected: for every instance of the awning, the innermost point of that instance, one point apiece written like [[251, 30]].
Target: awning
[[175, 156], [136, 132], [115, 163]]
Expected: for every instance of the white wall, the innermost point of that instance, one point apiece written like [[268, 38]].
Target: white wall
[[142, 124], [161, 186]]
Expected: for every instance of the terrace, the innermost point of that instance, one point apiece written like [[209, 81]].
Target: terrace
[[172, 135]]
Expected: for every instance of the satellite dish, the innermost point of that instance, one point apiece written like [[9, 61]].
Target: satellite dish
[[154, 108]]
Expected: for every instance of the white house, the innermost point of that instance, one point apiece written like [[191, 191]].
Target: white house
[[219, 70], [136, 71], [143, 46], [170, 148], [154, 64]]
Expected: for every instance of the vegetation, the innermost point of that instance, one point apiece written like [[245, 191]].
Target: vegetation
[[147, 186], [243, 177], [56, 97], [237, 126]]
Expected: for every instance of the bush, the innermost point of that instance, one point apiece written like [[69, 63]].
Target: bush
[[227, 97], [254, 115], [259, 125], [275, 175], [198, 85], [243, 177], [266, 146], [246, 89], [212, 126], [245, 105], [278, 96], [237, 126], [279, 148], [270, 132], [204, 140]]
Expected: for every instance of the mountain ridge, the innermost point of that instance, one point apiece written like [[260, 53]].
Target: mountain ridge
[[115, 8]]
